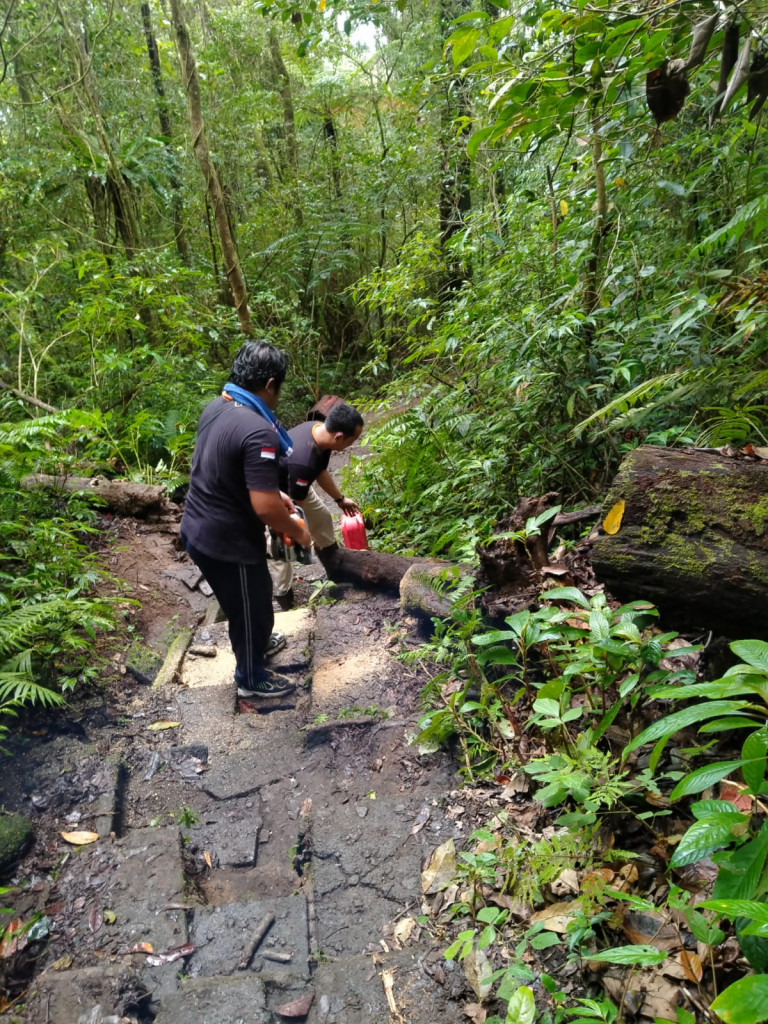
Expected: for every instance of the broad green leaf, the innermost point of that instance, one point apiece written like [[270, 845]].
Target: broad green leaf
[[706, 808], [641, 956], [462, 44], [754, 753], [682, 719], [740, 870], [566, 594], [738, 908], [703, 778], [706, 836], [522, 1007], [754, 652], [744, 1002]]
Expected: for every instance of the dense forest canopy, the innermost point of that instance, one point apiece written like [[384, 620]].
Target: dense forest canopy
[[531, 234]]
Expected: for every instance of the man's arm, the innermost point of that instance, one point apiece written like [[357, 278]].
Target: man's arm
[[271, 508], [347, 505]]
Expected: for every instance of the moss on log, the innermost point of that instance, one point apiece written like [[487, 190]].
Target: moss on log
[[693, 539]]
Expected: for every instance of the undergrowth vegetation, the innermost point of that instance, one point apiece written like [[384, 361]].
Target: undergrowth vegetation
[[556, 702]]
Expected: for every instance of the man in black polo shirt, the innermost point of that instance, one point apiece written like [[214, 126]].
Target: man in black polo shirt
[[307, 464], [234, 490]]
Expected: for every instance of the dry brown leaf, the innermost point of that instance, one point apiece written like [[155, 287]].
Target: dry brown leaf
[[650, 929], [95, 919], [478, 971], [63, 963], [557, 916], [207, 858], [566, 882], [404, 929], [440, 868], [691, 963], [476, 1012], [12, 940], [298, 1008], [80, 838]]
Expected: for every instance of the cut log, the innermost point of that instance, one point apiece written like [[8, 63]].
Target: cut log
[[120, 496], [693, 539], [375, 570]]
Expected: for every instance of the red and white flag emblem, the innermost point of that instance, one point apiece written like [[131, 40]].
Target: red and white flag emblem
[[302, 483], [268, 453]]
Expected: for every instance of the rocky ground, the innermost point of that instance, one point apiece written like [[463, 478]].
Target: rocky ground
[[254, 862]]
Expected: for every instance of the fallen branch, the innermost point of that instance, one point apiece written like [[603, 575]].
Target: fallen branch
[[261, 930]]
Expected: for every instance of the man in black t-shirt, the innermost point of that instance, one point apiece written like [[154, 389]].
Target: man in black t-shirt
[[307, 464], [234, 490]]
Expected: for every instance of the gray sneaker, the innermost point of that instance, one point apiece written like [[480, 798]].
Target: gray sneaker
[[272, 685], [276, 642]]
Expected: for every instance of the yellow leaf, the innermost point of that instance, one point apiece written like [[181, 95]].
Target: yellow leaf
[[321, 5], [612, 521], [207, 858], [619, 183], [80, 838], [109, 916], [162, 724], [563, 208]]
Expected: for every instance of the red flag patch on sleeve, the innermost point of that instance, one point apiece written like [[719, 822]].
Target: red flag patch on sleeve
[[268, 453]]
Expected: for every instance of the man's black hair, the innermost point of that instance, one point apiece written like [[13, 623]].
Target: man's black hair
[[343, 419], [255, 363]]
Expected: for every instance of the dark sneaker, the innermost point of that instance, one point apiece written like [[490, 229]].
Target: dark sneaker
[[285, 601], [276, 642], [273, 685]]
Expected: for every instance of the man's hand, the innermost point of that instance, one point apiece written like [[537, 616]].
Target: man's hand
[[349, 507], [270, 508], [287, 502]]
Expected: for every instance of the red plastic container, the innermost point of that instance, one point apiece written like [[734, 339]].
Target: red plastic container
[[353, 533]]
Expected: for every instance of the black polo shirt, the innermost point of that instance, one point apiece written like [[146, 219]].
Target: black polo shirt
[[305, 464], [236, 451]]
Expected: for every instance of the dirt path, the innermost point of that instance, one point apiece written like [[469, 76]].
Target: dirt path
[[309, 816]]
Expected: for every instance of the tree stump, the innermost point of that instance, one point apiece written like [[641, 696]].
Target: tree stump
[[693, 539]]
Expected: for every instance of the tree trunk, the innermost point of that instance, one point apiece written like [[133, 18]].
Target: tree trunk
[[289, 123], [164, 117], [375, 570], [120, 496], [693, 539], [212, 182]]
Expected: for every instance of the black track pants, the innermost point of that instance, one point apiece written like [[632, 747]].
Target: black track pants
[[245, 595]]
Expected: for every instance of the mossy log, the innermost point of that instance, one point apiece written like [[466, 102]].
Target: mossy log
[[693, 539], [120, 496]]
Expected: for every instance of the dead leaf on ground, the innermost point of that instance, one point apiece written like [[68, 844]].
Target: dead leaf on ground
[[650, 929], [80, 838], [476, 1013], [63, 963], [612, 522], [478, 971], [95, 919], [440, 868], [298, 1008], [421, 819], [404, 929], [207, 858], [733, 793], [566, 882], [12, 941], [691, 963], [557, 916], [163, 724]]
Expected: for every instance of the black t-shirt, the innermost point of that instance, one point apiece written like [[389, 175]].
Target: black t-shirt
[[236, 451], [305, 463]]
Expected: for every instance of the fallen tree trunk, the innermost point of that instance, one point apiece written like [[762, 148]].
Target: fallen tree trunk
[[120, 496], [693, 539], [369, 569]]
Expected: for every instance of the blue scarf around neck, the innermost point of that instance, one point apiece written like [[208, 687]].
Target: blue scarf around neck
[[258, 405]]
